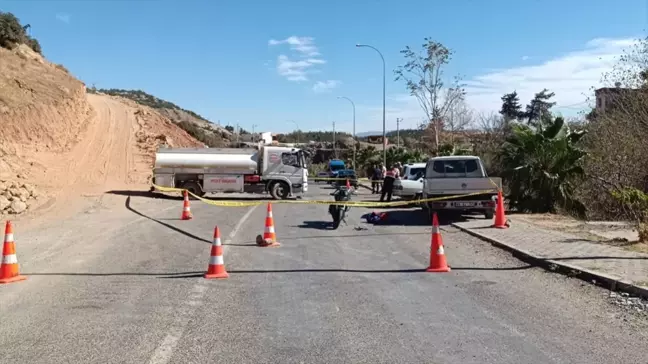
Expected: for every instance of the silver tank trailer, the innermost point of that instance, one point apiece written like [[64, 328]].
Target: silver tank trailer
[[208, 158]]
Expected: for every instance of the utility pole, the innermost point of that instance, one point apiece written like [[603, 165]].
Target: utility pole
[[253, 138], [334, 148], [398, 121]]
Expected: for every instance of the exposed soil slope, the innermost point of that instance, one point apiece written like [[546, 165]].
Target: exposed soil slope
[[67, 143]]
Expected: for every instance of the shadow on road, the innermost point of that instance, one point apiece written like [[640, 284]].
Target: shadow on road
[[350, 236], [198, 274], [317, 225], [195, 273], [149, 194], [178, 230], [340, 270]]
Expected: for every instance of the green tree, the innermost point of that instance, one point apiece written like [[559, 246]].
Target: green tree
[[424, 79], [539, 107], [13, 33], [542, 164], [511, 108]]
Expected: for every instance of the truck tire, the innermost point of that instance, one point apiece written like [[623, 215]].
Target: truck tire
[[279, 190], [194, 188]]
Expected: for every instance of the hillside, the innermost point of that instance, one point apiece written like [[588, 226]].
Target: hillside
[[59, 144], [194, 124]]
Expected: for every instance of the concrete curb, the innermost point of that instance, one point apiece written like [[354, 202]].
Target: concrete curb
[[601, 279]]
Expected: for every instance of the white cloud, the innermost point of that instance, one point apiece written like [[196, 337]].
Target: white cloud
[[326, 86], [302, 61], [571, 76], [63, 17], [303, 45], [524, 58]]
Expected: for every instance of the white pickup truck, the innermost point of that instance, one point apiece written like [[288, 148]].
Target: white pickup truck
[[464, 177]]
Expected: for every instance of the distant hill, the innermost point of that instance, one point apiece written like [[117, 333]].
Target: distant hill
[[193, 123]]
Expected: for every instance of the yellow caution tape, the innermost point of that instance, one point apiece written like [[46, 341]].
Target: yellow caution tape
[[317, 202]]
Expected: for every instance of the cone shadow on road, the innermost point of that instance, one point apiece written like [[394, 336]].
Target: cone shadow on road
[[131, 209]]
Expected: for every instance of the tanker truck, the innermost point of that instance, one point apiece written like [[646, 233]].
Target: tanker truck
[[280, 171]]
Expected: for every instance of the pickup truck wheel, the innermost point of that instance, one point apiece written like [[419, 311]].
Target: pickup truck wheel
[[279, 191], [194, 188]]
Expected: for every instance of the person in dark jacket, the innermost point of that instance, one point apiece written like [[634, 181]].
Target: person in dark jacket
[[375, 177]]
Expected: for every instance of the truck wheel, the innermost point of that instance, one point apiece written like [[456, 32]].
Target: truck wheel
[[194, 188], [279, 190]]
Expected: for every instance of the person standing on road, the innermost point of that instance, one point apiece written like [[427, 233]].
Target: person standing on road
[[388, 183], [376, 175]]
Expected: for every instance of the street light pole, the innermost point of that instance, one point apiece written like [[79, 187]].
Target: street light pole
[[383, 116], [354, 129], [398, 121], [297, 131], [334, 148], [253, 127]]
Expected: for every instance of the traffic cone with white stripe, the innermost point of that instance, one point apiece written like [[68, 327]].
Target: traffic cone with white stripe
[[9, 270], [500, 217], [269, 236], [216, 268], [186, 209], [438, 263]]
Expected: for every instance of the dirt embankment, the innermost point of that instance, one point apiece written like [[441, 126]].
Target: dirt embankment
[[64, 143]]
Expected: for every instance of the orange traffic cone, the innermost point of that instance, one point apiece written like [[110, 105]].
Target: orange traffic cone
[[269, 231], [438, 261], [186, 209], [9, 270], [500, 217], [216, 268]]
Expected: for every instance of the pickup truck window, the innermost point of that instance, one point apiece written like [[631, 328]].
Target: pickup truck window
[[456, 168]]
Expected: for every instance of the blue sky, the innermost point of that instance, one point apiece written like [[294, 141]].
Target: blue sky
[[217, 58]]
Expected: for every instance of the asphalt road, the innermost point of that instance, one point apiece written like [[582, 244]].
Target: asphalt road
[[124, 285]]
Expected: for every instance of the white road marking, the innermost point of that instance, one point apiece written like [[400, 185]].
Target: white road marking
[[164, 352]]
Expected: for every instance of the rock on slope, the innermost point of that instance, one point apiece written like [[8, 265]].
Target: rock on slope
[[57, 142]]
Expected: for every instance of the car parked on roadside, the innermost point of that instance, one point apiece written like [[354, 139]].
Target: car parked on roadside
[[345, 174], [410, 185]]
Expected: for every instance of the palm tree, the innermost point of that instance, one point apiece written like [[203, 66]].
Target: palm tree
[[542, 163]]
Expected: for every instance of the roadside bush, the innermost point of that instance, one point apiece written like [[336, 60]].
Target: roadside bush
[[542, 164], [13, 33], [617, 142], [209, 138]]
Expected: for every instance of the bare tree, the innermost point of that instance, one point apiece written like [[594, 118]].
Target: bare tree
[[460, 116], [423, 75], [493, 129], [617, 141]]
